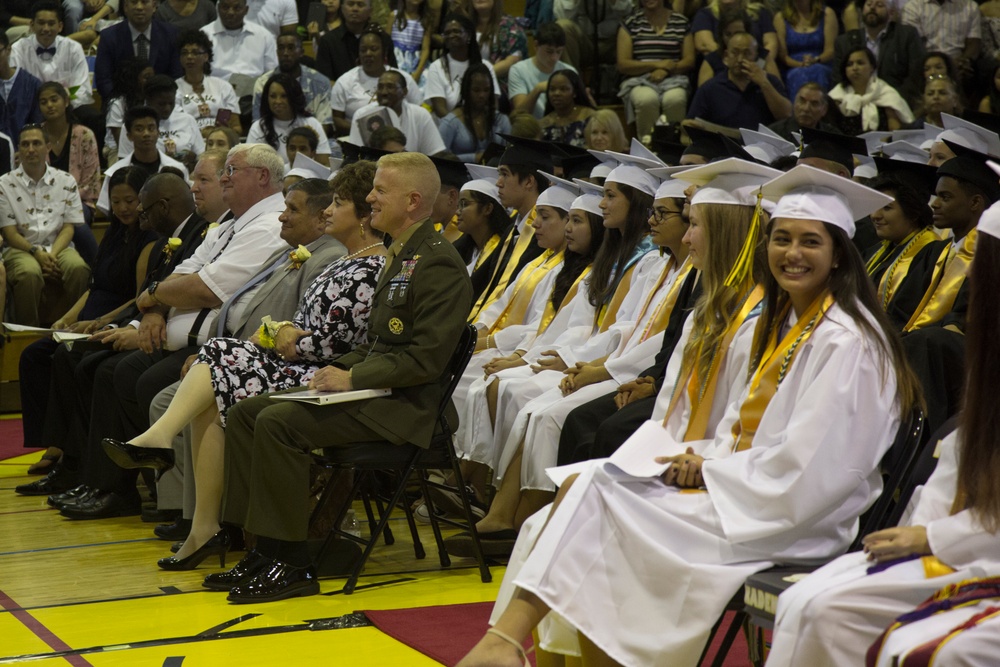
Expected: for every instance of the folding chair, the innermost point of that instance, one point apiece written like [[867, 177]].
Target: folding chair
[[367, 458]]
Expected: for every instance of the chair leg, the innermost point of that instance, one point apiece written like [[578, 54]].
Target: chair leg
[[335, 530], [418, 546], [435, 525], [484, 571], [727, 642]]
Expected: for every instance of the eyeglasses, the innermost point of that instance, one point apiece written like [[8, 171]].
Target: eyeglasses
[[144, 213], [230, 169], [660, 215], [185, 54]]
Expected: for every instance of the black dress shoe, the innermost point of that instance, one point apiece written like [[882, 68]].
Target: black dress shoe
[[217, 545], [72, 497], [102, 506], [171, 532], [58, 480], [278, 581], [130, 456], [245, 570], [152, 514]]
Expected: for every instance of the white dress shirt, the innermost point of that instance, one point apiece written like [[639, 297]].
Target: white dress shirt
[[356, 89], [251, 50], [272, 14], [68, 66]]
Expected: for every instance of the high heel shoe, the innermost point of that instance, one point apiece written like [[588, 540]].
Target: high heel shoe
[[218, 544], [130, 456]]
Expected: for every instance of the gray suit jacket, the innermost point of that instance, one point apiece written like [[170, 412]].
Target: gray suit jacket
[[279, 295]]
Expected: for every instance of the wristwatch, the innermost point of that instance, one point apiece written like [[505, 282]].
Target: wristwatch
[[33, 249], [151, 290]]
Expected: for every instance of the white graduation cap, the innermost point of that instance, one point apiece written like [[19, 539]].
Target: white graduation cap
[[560, 193], [874, 139], [989, 221], [306, 167], [906, 151], [766, 147], [807, 193], [638, 150], [484, 180], [670, 187], [631, 171], [588, 202], [731, 181], [480, 171], [969, 135], [866, 167], [764, 129], [914, 136]]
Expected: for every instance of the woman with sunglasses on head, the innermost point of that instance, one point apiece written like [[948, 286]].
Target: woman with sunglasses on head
[[199, 94]]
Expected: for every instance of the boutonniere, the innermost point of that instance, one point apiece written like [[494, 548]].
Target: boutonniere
[[172, 244], [211, 225], [269, 331], [298, 257]]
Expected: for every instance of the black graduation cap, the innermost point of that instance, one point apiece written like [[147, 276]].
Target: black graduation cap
[[574, 161], [491, 156], [354, 153], [708, 145], [921, 177], [527, 152], [451, 171], [970, 166], [839, 148], [735, 150], [668, 151]]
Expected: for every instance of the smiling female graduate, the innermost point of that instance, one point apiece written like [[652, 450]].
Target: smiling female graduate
[[785, 483]]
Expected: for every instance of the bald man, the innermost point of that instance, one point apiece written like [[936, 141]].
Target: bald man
[[413, 330]]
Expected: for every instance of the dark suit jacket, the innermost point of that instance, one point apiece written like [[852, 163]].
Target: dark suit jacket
[[116, 46], [337, 52], [416, 321], [162, 266], [900, 58]]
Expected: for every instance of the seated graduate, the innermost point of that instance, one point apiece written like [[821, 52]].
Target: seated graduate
[[833, 615], [483, 222], [784, 481]]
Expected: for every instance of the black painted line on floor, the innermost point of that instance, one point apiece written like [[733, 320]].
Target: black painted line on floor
[[378, 584], [40, 509], [173, 661], [39, 629], [228, 624], [77, 546], [171, 590]]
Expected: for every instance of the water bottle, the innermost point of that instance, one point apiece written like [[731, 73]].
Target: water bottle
[[350, 524]]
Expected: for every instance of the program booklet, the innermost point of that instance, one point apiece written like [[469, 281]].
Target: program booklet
[[328, 397]]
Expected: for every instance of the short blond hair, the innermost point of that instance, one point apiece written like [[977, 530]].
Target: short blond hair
[[417, 172]]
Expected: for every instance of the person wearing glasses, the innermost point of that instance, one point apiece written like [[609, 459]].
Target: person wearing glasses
[[199, 94]]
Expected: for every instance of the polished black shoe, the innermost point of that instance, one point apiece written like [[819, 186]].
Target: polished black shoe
[[130, 456], [245, 570], [58, 480], [72, 497], [176, 546], [171, 532], [217, 545], [102, 506], [278, 581]]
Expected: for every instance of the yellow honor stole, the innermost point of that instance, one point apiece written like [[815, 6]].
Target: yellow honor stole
[[949, 274], [701, 390], [490, 246], [524, 288], [777, 359], [520, 245], [896, 273], [550, 310], [661, 316], [606, 314]]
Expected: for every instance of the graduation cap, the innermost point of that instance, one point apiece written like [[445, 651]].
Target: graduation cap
[[874, 139], [989, 221], [452, 172], [765, 147], [986, 121], [739, 152], [732, 181], [637, 149], [904, 151], [866, 167], [560, 194], [527, 152], [837, 148], [353, 153], [578, 166], [808, 193], [672, 188], [491, 155], [590, 200], [668, 151], [968, 135], [306, 167], [971, 166], [707, 144], [917, 175], [631, 171], [484, 180]]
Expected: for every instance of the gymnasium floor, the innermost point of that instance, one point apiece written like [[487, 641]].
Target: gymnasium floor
[[89, 593]]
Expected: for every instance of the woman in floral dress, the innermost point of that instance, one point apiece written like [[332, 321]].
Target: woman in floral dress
[[331, 319]]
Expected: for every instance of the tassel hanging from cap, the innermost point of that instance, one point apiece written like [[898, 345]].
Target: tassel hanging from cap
[[743, 267]]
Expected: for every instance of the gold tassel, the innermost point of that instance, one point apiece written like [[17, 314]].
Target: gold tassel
[[743, 267]]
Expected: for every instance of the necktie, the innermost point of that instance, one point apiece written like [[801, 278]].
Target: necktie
[[220, 327], [39, 50], [142, 47]]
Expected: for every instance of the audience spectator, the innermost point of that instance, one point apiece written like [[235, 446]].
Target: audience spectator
[[704, 27], [49, 56], [388, 139], [284, 108], [474, 123], [15, 18], [744, 95], [940, 96], [990, 54], [443, 83], [502, 41], [39, 206], [568, 109], [809, 110], [898, 49], [356, 87], [410, 30], [6, 155], [604, 132], [72, 146], [315, 86], [414, 121], [187, 14], [126, 92], [730, 23], [221, 139], [806, 31], [991, 101], [100, 14], [199, 94], [180, 136], [525, 126], [940, 63], [243, 50], [338, 49], [333, 19], [301, 140], [18, 93], [953, 27], [865, 102], [142, 35], [575, 20], [279, 17], [655, 52], [528, 79]]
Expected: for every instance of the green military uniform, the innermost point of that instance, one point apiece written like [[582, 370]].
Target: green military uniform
[[416, 321]]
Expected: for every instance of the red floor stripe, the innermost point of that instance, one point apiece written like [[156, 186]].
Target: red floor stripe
[[41, 631]]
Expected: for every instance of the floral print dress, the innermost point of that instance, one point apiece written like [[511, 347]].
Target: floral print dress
[[335, 308]]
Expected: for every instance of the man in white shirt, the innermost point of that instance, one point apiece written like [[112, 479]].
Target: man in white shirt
[[414, 121], [278, 17], [180, 136], [529, 79], [51, 57], [39, 206], [241, 47]]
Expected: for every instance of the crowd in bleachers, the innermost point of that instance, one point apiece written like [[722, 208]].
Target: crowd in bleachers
[[718, 257]]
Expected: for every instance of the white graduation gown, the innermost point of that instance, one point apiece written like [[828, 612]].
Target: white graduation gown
[[832, 616], [644, 570]]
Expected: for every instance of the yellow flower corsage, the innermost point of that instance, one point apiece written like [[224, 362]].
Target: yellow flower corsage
[[172, 244], [268, 331], [299, 257]]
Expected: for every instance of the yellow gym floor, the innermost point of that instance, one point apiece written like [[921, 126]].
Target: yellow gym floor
[[89, 593]]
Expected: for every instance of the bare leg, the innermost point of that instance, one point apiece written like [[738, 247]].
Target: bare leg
[[492, 393], [531, 501], [594, 656], [207, 448], [544, 658], [194, 396], [521, 616], [503, 509]]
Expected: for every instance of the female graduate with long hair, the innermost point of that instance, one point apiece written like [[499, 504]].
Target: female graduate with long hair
[[784, 480]]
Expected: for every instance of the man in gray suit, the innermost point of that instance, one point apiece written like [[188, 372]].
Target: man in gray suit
[[275, 291]]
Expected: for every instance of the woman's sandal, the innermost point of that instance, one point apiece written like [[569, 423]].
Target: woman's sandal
[[521, 653], [43, 465]]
